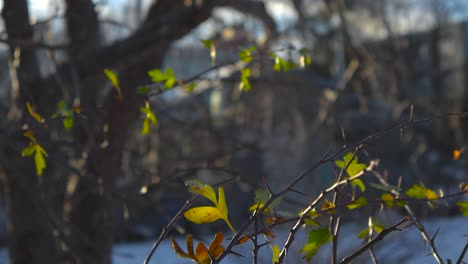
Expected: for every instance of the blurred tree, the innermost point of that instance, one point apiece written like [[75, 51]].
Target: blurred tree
[[66, 215]]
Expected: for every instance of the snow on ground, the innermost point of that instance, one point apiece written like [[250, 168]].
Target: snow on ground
[[398, 247], [403, 247]]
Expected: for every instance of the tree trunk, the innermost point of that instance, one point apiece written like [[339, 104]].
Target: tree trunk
[[30, 234]]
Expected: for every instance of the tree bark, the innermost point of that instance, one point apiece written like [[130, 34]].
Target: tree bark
[[30, 234]]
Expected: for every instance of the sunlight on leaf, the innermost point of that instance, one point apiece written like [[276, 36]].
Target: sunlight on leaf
[[34, 114], [209, 44], [150, 119], [245, 84], [360, 202], [387, 199], [419, 192], [246, 54], [317, 238], [463, 205], [205, 190], [190, 87], [352, 166], [359, 183], [112, 76], [275, 254], [203, 214], [167, 77]]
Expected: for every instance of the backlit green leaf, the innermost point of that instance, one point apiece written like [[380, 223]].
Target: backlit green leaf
[[142, 89], [112, 76], [463, 205], [39, 160], [157, 75], [317, 238], [352, 166], [359, 183], [29, 150], [275, 254], [419, 192], [245, 75], [360, 202], [246, 54]]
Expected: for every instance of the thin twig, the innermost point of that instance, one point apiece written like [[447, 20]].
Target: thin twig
[[328, 158], [173, 221], [417, 223], [462, 255], [403, 224]]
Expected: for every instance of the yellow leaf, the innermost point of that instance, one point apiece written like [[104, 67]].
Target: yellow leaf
[[29, 134], [258, 205], [203, 256], [275, 255], [34, 114], [431, 195], [456, 154], [112, 76], [216, 249], [222, 202], [202, 189], [203, 214]]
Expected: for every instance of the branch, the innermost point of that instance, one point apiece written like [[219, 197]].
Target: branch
[[403, 224], [418, 224], [328, 158], [174, 220]]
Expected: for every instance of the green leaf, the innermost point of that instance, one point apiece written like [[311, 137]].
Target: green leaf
[[277, 65], [150, 118], [209, 44], [112, 76], [317, 238], [142, 89], [190, 87], [34, 114], [29, 150], [282, 64], [420, 192], [245, 75], [275, 254], [352, 166], [373, 226], [360, 202], [463, 205], [246, 54], [387, 199], [68, 122], [359, 183], [305, 60], [169, 83], [157, 75], [39, 160]]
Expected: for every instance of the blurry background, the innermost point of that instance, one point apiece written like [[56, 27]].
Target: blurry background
[[105, 183]]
